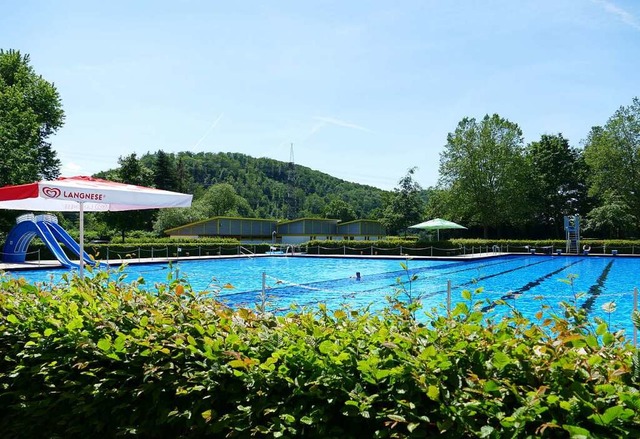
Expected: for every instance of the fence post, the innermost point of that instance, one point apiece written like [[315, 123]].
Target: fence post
[[400, 250], [264, 285], [449, 298], [635, 309], [138, 254], [344, 249]]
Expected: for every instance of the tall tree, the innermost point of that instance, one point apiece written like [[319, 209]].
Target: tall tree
[[132, 171], [184, 180], [484, 169], [559, 186], [164, 171], [612, 153], [339, 209], [220, 199], [612, 218], [404, 206], [30, 112]]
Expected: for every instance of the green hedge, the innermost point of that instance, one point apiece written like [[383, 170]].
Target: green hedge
[[519, 245], [100, 358]]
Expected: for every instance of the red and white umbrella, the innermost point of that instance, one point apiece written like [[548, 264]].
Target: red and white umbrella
[[80, 194]]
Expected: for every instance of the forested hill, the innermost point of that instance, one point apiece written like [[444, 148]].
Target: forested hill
[[271, 188]]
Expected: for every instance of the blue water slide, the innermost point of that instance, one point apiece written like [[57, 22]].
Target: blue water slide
[[44, 233], [17, 243], [62, 235]]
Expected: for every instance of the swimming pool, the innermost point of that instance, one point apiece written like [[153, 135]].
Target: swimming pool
[[525, 282]]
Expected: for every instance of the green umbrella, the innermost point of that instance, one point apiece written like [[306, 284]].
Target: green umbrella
[[437, 224]]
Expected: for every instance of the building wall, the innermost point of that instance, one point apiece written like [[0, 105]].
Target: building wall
[[361, 227], [251, 230], [308, 226], [220, 226]]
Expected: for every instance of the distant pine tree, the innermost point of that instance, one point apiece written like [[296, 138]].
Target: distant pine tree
[[164, 171]]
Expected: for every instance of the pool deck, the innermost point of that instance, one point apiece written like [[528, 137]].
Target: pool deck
[[47, 264]]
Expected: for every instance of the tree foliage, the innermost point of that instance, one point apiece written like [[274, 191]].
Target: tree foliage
[[612, 217], [164, 172], [339, 209], [557, 187], [405, 206], [30, 112], [484, 168], [268, 185], [612, 153], [220, 199], [131, 171]]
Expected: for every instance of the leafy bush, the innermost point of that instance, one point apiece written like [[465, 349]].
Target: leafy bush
[[520, 245], [104, 357]]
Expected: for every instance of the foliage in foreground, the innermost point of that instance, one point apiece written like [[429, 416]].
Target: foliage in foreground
[[99, 357]]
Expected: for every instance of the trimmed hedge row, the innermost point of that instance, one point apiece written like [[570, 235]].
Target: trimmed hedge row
[[98, 357]]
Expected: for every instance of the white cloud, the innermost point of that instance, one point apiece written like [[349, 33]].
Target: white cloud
[[623, 15]]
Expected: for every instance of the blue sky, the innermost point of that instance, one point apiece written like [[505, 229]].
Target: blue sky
[[363, 89]]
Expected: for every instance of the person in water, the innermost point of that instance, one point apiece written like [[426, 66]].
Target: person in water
[[358, 275]]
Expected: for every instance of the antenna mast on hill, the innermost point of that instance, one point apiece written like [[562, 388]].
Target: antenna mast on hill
[[291, 205]]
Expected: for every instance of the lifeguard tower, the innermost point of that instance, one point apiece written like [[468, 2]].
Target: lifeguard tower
[[572, 230]]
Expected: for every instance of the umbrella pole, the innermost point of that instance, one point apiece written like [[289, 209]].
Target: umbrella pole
[[81, 240]]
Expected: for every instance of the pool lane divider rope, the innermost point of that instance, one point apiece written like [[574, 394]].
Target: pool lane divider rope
[[423, 269], [288, 287], [489, 276], [293, 288], [528, 286], [596, 289]]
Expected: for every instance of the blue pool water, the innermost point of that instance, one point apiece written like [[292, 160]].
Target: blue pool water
[[525, 282]]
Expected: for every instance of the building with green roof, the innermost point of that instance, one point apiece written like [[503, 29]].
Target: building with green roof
[[297, 231]]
